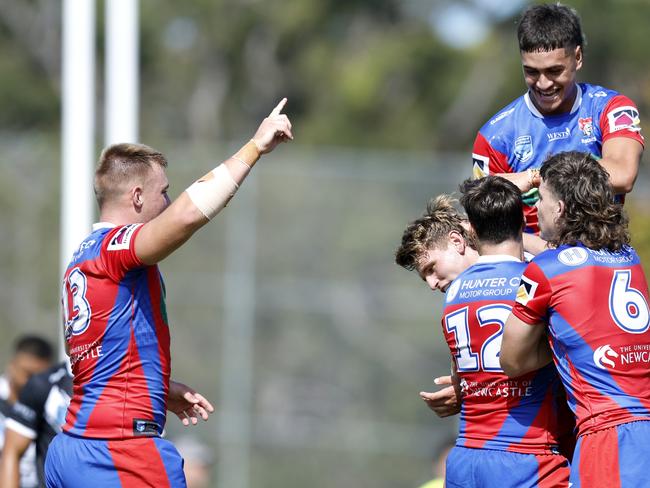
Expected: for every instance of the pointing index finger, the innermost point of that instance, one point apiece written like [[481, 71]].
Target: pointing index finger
[[278, 108]]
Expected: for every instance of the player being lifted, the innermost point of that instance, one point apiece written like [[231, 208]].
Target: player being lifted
[[588, 298], [557, 114], [510, 429], [115, 320]]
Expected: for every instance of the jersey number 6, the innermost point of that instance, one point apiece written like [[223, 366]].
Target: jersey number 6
[[627, 306]]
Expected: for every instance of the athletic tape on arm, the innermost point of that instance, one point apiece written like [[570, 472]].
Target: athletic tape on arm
[[212, 193]]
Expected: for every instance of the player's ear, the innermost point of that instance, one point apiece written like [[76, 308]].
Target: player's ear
[[458, 241], [578, 55], [136, 197], [561, 207]]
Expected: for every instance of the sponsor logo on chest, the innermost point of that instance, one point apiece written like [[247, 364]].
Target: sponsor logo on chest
[[555, 136]]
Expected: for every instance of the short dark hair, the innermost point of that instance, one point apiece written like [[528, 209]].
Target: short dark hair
[[494, 208], [591, 215], [34, 346], [431, 231], [548, 27]]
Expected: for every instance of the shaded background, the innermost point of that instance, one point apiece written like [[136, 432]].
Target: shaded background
[[385, 97]]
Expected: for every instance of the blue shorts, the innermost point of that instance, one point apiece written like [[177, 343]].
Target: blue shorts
[[614, 457], [75, 462], [487, 468]]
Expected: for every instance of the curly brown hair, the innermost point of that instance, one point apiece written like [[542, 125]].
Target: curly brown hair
[[431, 231], [591, 214]]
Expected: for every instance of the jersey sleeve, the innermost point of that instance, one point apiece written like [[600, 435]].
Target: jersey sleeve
[[620, 118], [533, 296], [26, 414], [118, 251], [486, 159]]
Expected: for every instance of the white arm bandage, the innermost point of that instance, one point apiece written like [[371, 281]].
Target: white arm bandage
[[212, 193]]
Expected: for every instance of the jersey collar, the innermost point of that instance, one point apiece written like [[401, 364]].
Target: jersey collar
[[497, 258], [531, 106], [102, 225]]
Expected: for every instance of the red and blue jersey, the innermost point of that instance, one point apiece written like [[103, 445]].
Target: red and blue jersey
[[522, 414], [519, 137], [118, 338], [595, 303]]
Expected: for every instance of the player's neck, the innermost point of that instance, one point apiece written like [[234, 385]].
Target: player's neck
[[117, 216], [505, 248]]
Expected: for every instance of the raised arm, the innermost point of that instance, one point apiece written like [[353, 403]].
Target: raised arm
[[203, 200]]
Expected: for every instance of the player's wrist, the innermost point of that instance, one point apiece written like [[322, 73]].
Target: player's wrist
[[248, 155], [533, 177]]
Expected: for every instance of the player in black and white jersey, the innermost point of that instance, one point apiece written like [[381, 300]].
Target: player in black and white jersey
[[36, 417], [32, 354]]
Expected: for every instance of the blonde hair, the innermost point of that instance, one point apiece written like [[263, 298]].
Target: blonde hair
[[122, 164], [431, 231]]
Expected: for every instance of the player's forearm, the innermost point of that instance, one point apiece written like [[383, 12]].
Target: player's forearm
[[9, 470], [514, 365], [516, 361], [621, 157], [534, 244], [524, 347], [212, 192], [622, 176], [240, 163], [524, 180]]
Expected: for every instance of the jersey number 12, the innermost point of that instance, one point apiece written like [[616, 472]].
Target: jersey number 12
[[487, 359]]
